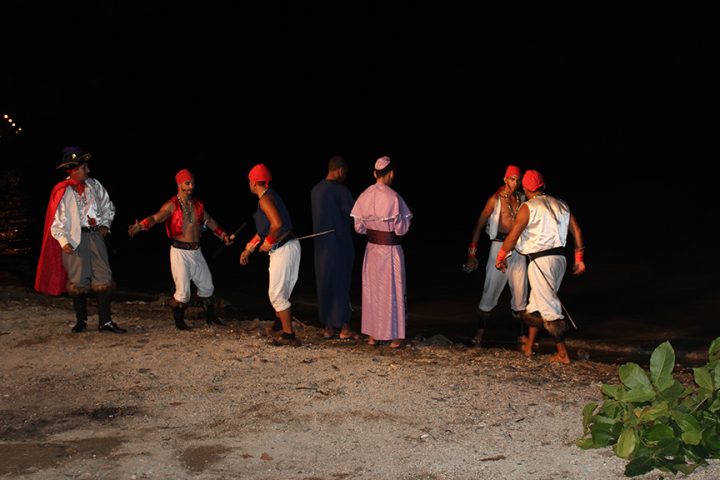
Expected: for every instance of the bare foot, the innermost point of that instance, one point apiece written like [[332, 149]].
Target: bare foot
[[396, 344], [347, 334], [477, 339], [526, 346], [557, 358], [371, 341], [329, 333]]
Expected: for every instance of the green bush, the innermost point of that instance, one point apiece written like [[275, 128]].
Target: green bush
[[655, 422]]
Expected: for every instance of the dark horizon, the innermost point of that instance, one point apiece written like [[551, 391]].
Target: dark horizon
[[616, 106]]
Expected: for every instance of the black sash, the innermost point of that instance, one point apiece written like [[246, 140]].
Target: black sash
[[379, 237], [500, 237], [284, 240], [545, 253]]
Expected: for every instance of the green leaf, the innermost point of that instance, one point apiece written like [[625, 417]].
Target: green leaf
[[612, 409], [665, 465], [715, 406], [602, 434], [716, 375], [638, 466], [711, 440], [633, 376], [662, 362], [626, 443], [658, 432], [612, 391], [639, 395], [692, 437], [586, 443], [605, 420], [672, 393], [703, 378], [714, 351], [653, 412], [685, 421], [686, 468], [667, 447], [587, 415], [664, 382]]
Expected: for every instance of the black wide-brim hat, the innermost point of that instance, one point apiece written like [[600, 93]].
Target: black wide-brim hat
[[73, 157]]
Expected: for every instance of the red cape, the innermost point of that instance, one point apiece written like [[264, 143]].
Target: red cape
[[50, 276]]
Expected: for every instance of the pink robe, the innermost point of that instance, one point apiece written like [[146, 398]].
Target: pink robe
[[384, 296]]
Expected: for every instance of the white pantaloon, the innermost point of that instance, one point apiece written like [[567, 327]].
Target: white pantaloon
[[545, 275], [495, 280], [284, 268], [187, 266]]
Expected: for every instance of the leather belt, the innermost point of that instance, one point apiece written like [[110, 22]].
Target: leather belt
[[185, 245], [89, 229]]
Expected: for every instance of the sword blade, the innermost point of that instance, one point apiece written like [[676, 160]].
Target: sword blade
[[316, 234]]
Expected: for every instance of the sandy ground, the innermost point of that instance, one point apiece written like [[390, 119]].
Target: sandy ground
[[220, 402]]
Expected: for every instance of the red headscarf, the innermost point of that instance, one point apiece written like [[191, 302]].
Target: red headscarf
[[183, 176], [512, 170], [259, 173], [532, 180]]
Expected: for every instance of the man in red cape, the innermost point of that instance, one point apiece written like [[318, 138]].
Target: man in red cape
[[73, 257]]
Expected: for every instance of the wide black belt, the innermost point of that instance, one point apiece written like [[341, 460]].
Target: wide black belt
[[545, 253], [89, 229], [379, 237], [283, 241], [185, 245], [500, 237]]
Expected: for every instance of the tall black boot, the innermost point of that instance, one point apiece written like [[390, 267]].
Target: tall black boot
[[482, 318], [208, 304], [80, 306], [106, 324], [179, 316]]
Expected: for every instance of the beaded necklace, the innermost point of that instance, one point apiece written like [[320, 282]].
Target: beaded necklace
[[506, 196], [187, 209]]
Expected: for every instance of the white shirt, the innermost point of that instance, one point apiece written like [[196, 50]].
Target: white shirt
[[74, 209]]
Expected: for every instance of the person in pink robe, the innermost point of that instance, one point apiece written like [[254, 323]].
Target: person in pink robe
[[382, 215]]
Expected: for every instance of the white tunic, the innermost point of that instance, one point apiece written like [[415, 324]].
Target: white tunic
[[547, 225], [547, 228]]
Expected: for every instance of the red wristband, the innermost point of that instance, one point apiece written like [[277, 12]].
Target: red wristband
[[145, 224], [219, 232], [472, 249], [270, 240], [579, 255], [501, 256]]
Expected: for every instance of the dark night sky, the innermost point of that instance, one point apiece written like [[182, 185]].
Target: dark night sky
[[594, 96]]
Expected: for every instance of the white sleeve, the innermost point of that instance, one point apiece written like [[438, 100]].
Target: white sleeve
[[60, 225], [105, 208]]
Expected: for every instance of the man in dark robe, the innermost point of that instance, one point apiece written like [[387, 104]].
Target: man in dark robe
[[331, 203]]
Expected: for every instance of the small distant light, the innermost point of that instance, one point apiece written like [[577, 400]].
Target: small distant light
[[13, 124], [9, 119], [5, 116], [20, 128]]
